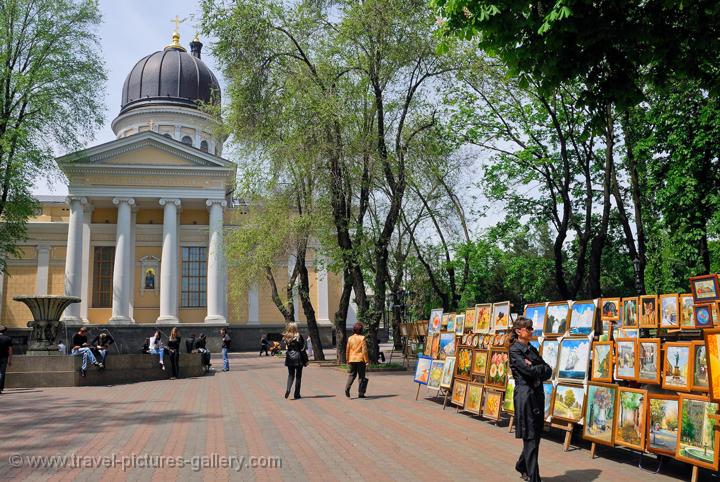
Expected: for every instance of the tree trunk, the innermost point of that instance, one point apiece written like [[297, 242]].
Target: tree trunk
[[288, 311], [306, 302], [341, 317]]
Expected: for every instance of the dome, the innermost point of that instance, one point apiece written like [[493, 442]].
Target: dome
[[170, 77]]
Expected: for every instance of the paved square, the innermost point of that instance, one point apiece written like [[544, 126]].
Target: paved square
[[242, 414]]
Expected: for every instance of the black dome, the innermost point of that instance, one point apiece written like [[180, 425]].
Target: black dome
[[169, 77]]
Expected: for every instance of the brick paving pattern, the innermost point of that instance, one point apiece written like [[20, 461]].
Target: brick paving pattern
[[324, 436]]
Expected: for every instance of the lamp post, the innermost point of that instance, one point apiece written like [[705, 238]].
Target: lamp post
[[636, 266]]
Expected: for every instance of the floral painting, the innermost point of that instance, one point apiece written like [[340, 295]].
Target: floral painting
[[697, 437], [669, 311], [602, 362], [458, 393], [574, 359], [435, 322], [582, 318], [422, 370], [463, 362], [663, 425], [436, 371], [712, 351], [493, 402], [448, 371], [599, 419], [568, 402], [447, 345], [536, 314], [482, 317], [469, 321], [508, 401], [498, 369], [556, 320], [630, 419], [473, 398], [479, 364]]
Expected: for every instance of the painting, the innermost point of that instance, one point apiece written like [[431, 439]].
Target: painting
[[422, 370], [473, 398], [448, 371], [536, 313], [669, 311], [703, 315], [498, 370], [712, 353], [447, 345], [574, 359], [429, 343], [705, 288], [697, 441], [582, 318], [557, 318], [662, 429], [435, 347], [625, 367], [629, 313], [677, 366], [501, 315], [550, 351], [536, 344], [458, 393], [436, 371], [483, 313], [479, 363], [607, 330], [602, 361], [436, 316], [444, 321], [508, 399], [548, 391], [628, 333], [699, 382], [599, 420], [648, 360], [610, 309], [469, 321], [648, 311], [463, 359], [460, 321], [568, 402], [631, 417], [492, 404], [687, 318]]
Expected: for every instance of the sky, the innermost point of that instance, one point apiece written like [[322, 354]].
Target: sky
[[130, 30]]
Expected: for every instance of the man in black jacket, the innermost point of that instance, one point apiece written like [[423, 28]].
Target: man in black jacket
[[6, 353], [102, 343], [80, 346]]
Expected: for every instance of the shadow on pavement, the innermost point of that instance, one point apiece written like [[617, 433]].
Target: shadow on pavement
[[374, 397], [319, 396], [576, 475]]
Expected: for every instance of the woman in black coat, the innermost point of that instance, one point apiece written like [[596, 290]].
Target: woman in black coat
[[295, 359], [529, 371]]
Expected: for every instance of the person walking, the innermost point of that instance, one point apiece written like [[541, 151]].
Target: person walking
[[6, 353], [295, 358], [226, 345], [529, 371], [174, 352], [264, 343], [357, 357]]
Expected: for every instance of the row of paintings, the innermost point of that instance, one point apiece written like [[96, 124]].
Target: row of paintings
[[442, 345], [483, 318], [485, 366], [569, 357], [475, 398]]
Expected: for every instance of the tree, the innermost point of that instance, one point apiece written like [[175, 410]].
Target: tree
[[569, 398], [51, 82]]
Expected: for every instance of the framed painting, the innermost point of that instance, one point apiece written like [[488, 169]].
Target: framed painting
[[602, 361], [697, 439], [631, 418], [573, 360], [508, 400], [687, 318], [648, 360], [629, 313], [435, 348], [705, 288], [463, 359], [712, 353], [699, 381], [500, 316], [421, 328], [422, 370], [567, 402], [468, 322], [628, 333], [662, 427], [429, 343], [435, 322], [444, 321], [677, 365], [436, 371], [548, 389], [498, 369], [473, 399], [448, 371], [582, 318], [599, 420], [607, 330], [483, 313], [479, 364], [550, 349], [648, 311], [536, 344], [557, 318], [536, 313], [610, 309], [446, 345], [450, 326], [458, 393], [703, 315], [670, 311], [492, 404], [625, 367], [459, 324]]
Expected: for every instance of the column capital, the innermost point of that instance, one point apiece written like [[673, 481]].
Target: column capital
[[117, 200], [42, 248], [210, 202], [70, 199], [175, 201]]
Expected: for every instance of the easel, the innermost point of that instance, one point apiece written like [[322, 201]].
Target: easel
[[417, 394], [446, 392], [511, 423], [568, 433]]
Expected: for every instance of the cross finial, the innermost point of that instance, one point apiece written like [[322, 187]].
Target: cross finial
[[177, 21]]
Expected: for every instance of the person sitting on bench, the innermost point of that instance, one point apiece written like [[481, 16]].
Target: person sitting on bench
[[157, 348], [201, 347], [102, 343], [81, 347]]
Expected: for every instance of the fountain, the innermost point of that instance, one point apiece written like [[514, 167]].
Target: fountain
[[46, 312]]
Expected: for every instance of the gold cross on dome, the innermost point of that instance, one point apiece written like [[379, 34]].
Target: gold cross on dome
[[177, 21]]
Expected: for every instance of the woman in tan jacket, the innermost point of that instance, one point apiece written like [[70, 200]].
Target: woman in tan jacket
[[357, 357]]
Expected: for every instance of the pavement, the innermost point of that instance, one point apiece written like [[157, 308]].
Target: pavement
[[237, 425]]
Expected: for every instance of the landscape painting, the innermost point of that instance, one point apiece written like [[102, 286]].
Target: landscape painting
[[700, 378], [705, 288], [460, 321], [448, 370], [574, 358], [602, 361], [599, 426], [548, 390], [550, 352], [677, 366], [687, 318], [582, 318], [447, 345], [648, 360], [697, 438], [556, 320], [450, 323], [663, 425], [669, 311], [568, 402], [536, 314], [625, 367], [630, 419]]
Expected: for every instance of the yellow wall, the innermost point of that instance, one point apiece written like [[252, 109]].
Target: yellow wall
[[104, 216], [19, 281], [52, 213], [149, 216], [56, 280], [194, 216]]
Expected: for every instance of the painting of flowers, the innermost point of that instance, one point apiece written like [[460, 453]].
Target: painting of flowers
[[568, 402], [582, 318], [630, 420], [463, 362], [483, 313], [436, 371], [599, 426], [574, 359], [498, 369], [492, 404], [663, 424], [458, 393], [422, 370], [697, 438], [473, 398], [479, 364], [469, 323]]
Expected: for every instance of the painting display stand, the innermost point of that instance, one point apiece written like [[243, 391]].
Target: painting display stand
[[417, 394], [445, 396], [660, 459], [569, 427]]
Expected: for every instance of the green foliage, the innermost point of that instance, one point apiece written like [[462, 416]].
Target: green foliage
[[688, 426]]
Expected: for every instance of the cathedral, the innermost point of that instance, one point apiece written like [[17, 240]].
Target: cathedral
[[139, 238]]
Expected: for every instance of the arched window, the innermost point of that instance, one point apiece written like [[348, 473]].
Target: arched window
[[187, 140], [204, 145], [167, 135]]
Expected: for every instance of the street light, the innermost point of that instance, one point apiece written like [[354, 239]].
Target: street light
[[636, 265]]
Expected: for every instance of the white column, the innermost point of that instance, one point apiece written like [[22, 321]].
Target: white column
[[322, 291], [73, 257], [296, 298], [131, 265], [121, 278], [85, 303], [169, 263], [253, 305], [43, 270], [216, 263]]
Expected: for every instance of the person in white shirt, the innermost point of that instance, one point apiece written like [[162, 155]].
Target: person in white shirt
[[157, 348]]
